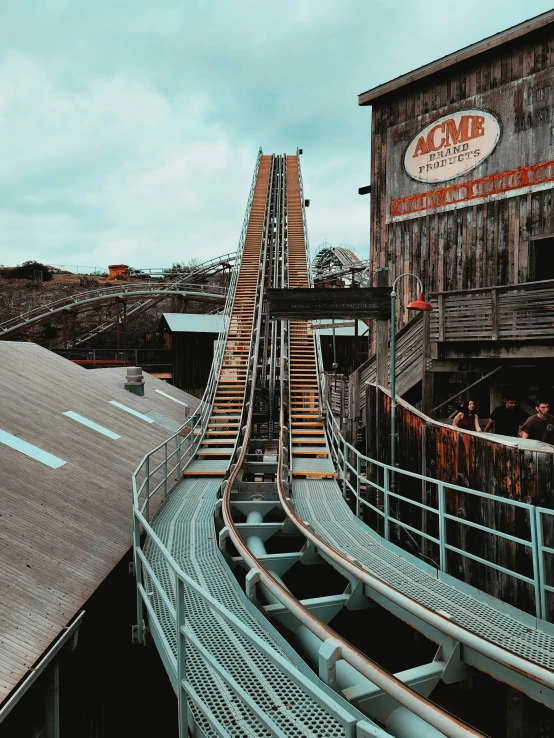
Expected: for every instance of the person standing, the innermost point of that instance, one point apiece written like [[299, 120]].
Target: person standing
[[467, 419], [507, 419], [540, 427]]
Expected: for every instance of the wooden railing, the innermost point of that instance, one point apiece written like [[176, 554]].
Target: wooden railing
[[409, 358], [503, 313]]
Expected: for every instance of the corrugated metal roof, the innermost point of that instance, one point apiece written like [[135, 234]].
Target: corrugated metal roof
[[510, 34], [193, 323], [63, 530]]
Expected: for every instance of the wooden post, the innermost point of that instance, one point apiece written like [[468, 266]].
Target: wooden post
[[124, 325], [440, 301], [117, 324], [494, 314], [427, 375], [382, 337], [495, 389]]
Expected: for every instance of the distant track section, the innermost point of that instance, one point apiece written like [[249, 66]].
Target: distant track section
[[191, 281], [333, 262], [206, 269], [201, 292]]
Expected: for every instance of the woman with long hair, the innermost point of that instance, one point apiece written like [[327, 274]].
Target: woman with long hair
[[467, 418]]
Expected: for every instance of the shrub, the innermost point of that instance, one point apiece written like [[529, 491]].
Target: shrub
[[27, 270]]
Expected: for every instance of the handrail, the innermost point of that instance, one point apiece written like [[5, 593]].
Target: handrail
[[343, 451], [185, 638], [111, 292], [521, 286], [501, 312], [403, 694]]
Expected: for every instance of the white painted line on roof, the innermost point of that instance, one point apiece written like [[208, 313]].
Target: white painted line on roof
[[133, 412], [91, 424], [28, 449], [171, 398]]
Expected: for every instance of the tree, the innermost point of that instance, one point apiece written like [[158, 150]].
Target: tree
[[27, 270]]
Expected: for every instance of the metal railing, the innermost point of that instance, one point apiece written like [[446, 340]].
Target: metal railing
[[316, 339], [157, 469], [545, 587], [349, 462], [154, 466], [90, 297], [186, 639], [155, 477]]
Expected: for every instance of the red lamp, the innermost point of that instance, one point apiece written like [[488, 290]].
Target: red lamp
[[420, 303]]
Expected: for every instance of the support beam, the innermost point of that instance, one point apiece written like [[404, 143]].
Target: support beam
[[52, 701], [427, 376]]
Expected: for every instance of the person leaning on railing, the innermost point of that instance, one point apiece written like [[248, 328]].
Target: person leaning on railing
[[540, 427], [467, 418]]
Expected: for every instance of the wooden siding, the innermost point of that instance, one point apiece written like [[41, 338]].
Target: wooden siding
[[193, 355], [477, 246]]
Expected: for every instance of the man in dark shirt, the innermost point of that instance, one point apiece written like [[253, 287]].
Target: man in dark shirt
[[506, 419], [540, 427]]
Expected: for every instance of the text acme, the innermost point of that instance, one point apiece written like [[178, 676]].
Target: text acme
[[452, 146]]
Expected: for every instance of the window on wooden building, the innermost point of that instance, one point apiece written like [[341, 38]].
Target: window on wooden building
[[541, 259]]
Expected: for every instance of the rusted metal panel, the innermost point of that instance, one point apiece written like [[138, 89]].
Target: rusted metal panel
[[469, 460]]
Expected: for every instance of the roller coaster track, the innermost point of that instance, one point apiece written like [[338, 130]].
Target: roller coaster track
[[332, 262], [188, 284], [244, 469], [107, 294]]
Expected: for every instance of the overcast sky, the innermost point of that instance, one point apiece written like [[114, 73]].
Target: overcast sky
[[129, 128]]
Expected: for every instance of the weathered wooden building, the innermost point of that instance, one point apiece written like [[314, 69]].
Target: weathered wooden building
[[462, 173], [191, 338]]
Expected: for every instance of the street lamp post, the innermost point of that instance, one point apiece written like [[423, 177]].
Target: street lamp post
[[419, 304]]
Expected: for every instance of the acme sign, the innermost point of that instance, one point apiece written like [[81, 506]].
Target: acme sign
[[452, 146]]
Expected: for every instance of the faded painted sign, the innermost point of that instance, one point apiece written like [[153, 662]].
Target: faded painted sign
[[490, 146], [451, 146]]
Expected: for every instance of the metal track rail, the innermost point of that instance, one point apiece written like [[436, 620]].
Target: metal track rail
[[234, 675], [180, 285], [200, 292], [205, 269], [304, 418], [412, 593]]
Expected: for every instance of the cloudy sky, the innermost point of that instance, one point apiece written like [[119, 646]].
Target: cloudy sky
[[129, 128]]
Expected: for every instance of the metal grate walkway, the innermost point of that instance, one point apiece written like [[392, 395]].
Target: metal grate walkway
[[322, 506], [186, 528], [185, 524]]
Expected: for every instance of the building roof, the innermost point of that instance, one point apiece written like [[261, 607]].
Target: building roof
[[510, 34], [65, 524], [193, 322]]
